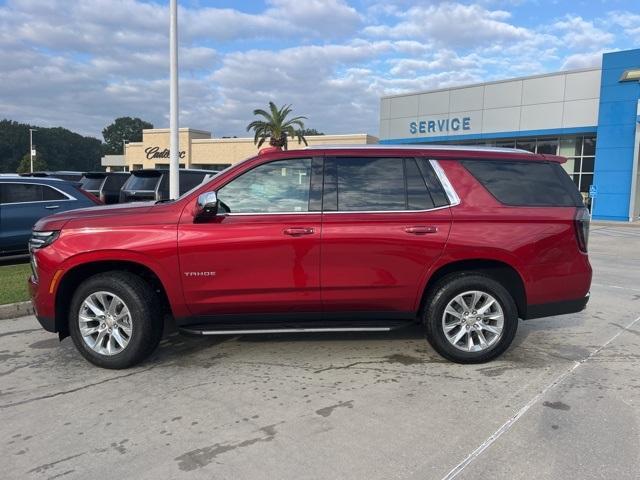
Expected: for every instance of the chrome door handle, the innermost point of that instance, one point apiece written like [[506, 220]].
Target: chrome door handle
[[298, 231], [52, 207], [421, 229]]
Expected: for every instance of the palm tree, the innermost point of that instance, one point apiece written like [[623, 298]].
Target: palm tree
[[276, 126]]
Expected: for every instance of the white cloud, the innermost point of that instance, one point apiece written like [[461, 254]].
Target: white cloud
[[581, 34], [80, 64], [630, 23], [453, 25], [582, 60]]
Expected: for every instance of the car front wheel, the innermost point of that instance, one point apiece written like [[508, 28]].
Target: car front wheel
[[470, 318], [114, 320]]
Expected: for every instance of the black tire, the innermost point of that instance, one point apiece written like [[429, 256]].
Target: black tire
[[445, 291], [146, 318]]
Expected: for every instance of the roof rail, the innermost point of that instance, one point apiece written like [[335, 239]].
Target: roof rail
[[465, 148]]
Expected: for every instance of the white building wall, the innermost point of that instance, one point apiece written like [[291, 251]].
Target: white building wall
[[561, 100]]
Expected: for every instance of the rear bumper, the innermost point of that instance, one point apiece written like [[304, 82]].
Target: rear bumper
[[556, 308]]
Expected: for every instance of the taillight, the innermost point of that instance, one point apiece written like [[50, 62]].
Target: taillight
[[581, 222]]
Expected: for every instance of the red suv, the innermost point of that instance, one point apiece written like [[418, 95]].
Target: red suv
[[461, 240]]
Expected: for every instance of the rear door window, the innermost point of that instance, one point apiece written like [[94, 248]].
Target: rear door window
[[21, 193], [527, 183], [372, 184]]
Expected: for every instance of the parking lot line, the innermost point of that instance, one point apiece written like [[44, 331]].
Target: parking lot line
[[505, 427]]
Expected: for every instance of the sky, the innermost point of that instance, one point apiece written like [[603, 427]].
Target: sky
[[80, 64]]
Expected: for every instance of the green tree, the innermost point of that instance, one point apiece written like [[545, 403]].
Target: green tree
[[123, 129], [276, 126], [307, 132], [39, 165], [60, 148]]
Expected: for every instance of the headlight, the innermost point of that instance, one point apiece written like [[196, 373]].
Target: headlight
[[42, 239]]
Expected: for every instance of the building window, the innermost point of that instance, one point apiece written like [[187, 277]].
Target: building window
[[581, 157]]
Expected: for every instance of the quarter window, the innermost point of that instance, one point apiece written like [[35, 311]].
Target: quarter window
[[277, 187], [49, 193]]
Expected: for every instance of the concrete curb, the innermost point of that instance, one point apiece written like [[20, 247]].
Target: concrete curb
[[15, 310]]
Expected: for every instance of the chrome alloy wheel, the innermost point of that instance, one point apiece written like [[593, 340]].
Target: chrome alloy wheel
[[473, 321], [105, 323]]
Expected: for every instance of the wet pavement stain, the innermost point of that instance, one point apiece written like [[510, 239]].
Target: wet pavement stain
[[202, 457], [326, 411], [404, 359], [47, 466], [48, 343], [557, 405]]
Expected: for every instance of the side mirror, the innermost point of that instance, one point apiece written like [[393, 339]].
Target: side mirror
[[207, 206]]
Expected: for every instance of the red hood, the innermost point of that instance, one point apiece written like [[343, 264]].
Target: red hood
[[58, 220]]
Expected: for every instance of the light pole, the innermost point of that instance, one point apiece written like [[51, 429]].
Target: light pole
[[124, 151], [174, 142], [31, 154]]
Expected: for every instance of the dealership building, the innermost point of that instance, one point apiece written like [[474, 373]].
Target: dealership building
[[590, 116], [198, 149]]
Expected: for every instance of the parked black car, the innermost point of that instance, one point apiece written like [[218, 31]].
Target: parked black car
[[151, 184], [104, 185]]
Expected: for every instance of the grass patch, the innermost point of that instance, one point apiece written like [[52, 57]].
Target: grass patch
[[13, 283]]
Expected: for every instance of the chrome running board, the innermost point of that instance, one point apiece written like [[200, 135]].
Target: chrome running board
[[287, 330]]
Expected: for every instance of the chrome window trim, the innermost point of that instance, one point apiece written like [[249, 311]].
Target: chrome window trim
[[333, 212], [453, 197], [69, 197], [449, 191], [384, 146]]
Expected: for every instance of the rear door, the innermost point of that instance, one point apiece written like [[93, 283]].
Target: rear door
[[382, 228]]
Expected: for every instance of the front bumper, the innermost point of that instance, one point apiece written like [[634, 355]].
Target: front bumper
[[48, 322], [556, 308]]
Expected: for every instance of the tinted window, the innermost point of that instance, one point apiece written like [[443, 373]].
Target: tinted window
[[115, 182], [26, 192], [418, 197], [91, 183], [526, 183], [438, 195], [189, 180], [374, 184], [49, 193], [281, 186], [21, 192], [143, 182]]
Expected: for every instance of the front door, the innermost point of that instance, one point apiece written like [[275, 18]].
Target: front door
[[261, 254], [382, 229]]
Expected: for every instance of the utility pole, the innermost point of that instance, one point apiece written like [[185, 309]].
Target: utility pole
[[31, 150], [174, 143]]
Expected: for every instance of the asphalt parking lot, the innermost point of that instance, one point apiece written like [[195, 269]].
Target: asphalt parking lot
[[564, 402]]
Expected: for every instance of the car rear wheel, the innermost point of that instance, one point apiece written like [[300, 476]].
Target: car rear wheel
[[470, 318], [114, 320]]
